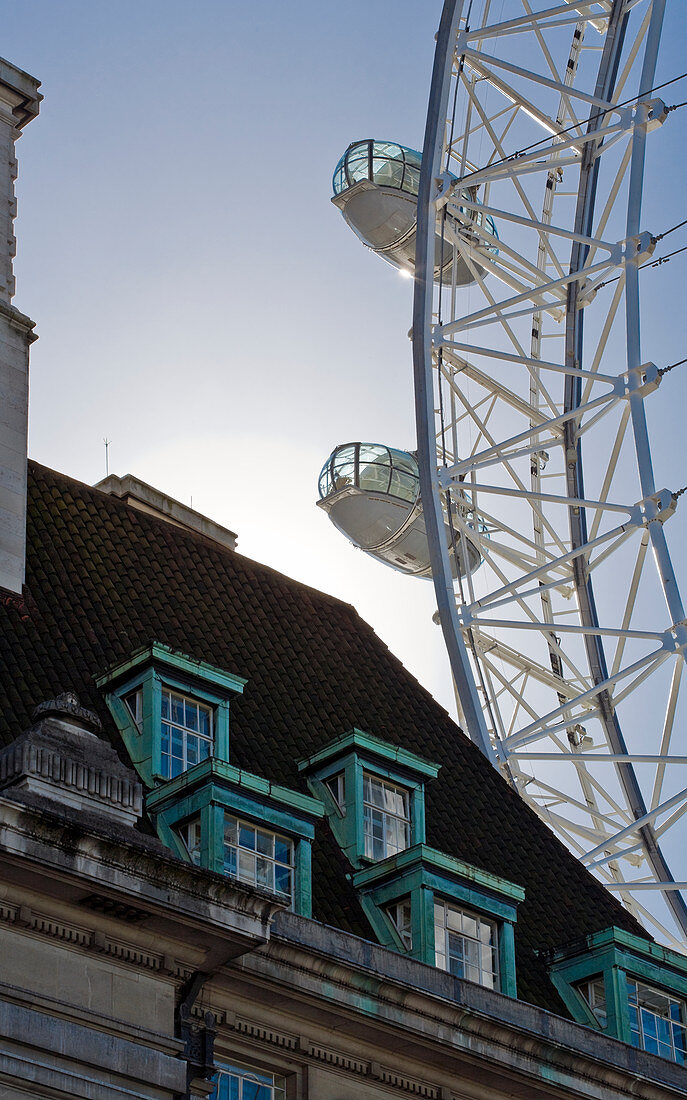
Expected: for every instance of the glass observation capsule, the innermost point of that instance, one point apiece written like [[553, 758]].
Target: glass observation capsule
[[372, 495], [375, 187]]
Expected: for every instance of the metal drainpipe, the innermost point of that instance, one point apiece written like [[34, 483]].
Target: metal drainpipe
[[198, 1040]]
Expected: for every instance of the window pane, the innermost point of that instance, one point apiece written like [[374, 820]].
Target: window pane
[[403, 486], [178, 709], [265, 873], [231, 830], [376, 793], [283, 850], [471, 952], [165, 704], [191, 710], [265, 843], [485, 932], [469, 926], [454, 919], [204, 720], [246, 866], [246, 836], [282, 880]]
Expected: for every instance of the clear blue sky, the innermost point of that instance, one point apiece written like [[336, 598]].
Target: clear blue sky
[[199, 300]]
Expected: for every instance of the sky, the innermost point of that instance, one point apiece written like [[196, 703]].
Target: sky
[[201, 303]]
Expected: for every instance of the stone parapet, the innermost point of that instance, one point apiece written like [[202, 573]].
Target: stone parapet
[[61, 759]]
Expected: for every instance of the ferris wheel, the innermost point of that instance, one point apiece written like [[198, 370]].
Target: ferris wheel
[[531, 501], [567, 644]]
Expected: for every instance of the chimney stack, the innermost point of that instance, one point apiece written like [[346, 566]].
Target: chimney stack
[[19, 102]]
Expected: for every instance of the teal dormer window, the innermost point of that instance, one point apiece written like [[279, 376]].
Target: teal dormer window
[[374, 793], [171, 710], [240, 825], [173, 714], [629, 987], [419, 901]]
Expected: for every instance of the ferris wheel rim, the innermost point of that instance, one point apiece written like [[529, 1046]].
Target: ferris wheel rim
[[431, 488]]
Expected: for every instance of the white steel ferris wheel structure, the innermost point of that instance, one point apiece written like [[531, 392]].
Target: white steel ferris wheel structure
[[567, 644]]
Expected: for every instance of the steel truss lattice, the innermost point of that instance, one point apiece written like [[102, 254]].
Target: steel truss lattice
[[567, 645]]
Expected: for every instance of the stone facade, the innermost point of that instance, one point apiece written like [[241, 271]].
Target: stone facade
[[19, 101]]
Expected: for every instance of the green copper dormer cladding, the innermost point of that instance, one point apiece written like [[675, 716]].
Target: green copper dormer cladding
[[444, 912], [235, 823], [374, 793], [628, 987], [171, 710]]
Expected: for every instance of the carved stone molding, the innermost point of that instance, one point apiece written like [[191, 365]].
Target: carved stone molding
[[61, 759], [336, 1058], [29, 920]]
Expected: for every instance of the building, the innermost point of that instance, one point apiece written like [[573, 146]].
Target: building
[[246, 855]]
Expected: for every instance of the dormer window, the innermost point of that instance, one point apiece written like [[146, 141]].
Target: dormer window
[[258, 857], [374, 793], [172, 710], [229, 821], [337, 788], [445, 913], [629, 987], [386, 817], [190, 835], [594, 993], [658, 1021], [400, 916], [466, 944], [186, 732]]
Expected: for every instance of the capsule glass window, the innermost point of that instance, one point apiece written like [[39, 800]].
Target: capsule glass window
[[383, 162], [371, 467]]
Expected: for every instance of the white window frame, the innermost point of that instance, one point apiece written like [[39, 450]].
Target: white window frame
[[463, 921], [594, 992], [274, 1089], [190, 835], [640, 1012], [336, 785], [243, 856], [384, 818], [400, 915], [187, 733]]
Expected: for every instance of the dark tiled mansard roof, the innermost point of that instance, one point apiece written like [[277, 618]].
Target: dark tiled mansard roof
[[104, 579]]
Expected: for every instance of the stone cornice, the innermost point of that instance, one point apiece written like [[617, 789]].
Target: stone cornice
[[21, 90], [19, 321], [62, 857]]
